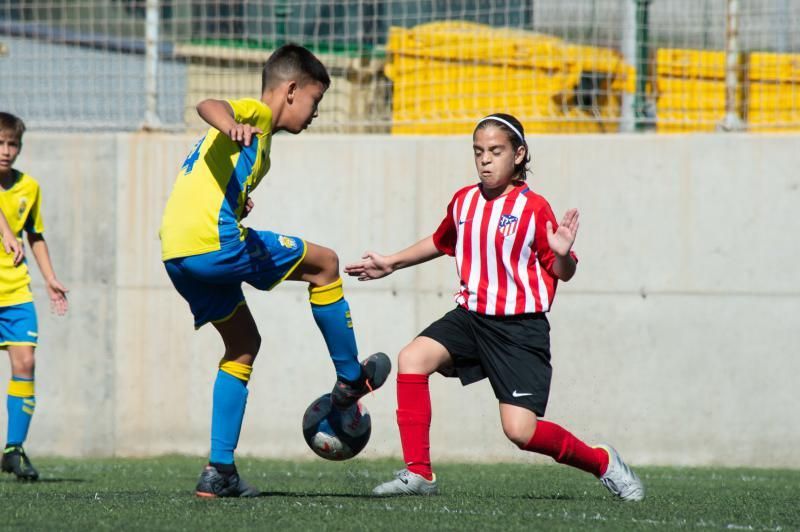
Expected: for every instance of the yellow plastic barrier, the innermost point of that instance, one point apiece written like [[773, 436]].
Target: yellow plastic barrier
[[447, 75], [773, 95], [690, 87]]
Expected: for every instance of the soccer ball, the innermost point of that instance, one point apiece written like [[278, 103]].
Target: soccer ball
[[334, 434]]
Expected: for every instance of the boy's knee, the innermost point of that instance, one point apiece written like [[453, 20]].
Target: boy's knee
[[23, 366], [330, 262], [246, 345], [324, 268]]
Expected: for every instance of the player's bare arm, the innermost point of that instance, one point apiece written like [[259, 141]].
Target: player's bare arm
[[560, 241], [218, 114], [56, 291], [11, 245], [374, 266]]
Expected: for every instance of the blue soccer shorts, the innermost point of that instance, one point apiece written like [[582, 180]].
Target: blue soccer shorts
[[18, 325], [212, 282]]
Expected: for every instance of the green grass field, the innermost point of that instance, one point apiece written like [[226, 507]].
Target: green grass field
[[157, 494]]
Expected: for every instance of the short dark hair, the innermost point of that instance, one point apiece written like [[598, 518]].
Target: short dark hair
[[292, 61], [9, 122], [517, 140]]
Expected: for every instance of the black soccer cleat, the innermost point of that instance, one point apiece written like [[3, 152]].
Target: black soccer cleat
[[213, 484], [17, 462], [375, 370]]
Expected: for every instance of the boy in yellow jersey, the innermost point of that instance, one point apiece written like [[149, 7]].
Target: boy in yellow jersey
[[208, 253], [21, 205]]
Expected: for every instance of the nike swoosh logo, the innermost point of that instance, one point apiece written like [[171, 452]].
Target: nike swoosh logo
[[515, 393], [462, 222]]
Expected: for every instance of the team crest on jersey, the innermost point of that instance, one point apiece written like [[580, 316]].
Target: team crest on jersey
[[507, 224], [287, 242], [22, 206]]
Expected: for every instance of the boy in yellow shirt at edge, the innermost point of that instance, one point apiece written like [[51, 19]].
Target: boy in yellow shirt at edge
[[20, 202]]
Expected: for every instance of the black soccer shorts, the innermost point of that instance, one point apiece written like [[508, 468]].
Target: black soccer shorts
[[512, 351]]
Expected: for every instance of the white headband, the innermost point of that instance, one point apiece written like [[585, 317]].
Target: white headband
[[503, 121]]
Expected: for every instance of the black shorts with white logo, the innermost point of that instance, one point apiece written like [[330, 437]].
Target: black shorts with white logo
[[512, 351]]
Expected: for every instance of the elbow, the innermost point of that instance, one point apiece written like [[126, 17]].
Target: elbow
[[565, 273], [564, 268], [203, 106]]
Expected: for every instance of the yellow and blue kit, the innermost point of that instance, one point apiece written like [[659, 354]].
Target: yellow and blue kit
[[21, 205], [207, 251]]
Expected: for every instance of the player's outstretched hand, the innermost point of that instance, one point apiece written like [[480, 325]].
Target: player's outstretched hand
[[14, 247], [561, 239], [372, 266], [243, 133], [58, 296]]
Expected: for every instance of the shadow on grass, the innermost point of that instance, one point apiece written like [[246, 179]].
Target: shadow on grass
[[366, 496], [555, 497], [13, 480], [301, 495]]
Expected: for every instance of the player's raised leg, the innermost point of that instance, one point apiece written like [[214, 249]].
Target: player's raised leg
[[320, 269], [242, 342], [416, 362], [529, 433], [20, 403]]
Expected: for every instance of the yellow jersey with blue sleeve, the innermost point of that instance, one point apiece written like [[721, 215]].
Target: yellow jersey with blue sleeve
[[204, 210], [22, 206]]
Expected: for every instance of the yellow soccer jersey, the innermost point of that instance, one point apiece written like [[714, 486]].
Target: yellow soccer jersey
[[21, 205], [205, 207]]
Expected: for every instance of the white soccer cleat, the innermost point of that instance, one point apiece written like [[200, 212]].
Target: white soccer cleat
[[620, 479], [407, 483]]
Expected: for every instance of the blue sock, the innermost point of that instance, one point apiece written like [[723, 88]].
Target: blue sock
[[230, 399], [337, 329], [20, 403]]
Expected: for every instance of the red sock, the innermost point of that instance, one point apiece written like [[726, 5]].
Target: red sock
[[414, 421], [559, 444]]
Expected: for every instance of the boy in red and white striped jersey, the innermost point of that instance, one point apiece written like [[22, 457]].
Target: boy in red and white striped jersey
[[510, 254]]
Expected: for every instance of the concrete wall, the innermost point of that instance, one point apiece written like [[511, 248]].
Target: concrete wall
[[677, 341]]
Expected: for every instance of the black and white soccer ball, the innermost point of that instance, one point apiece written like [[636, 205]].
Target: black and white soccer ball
[[334, 434]]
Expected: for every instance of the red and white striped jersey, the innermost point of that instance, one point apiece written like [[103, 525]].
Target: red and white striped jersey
[[504, 262]]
